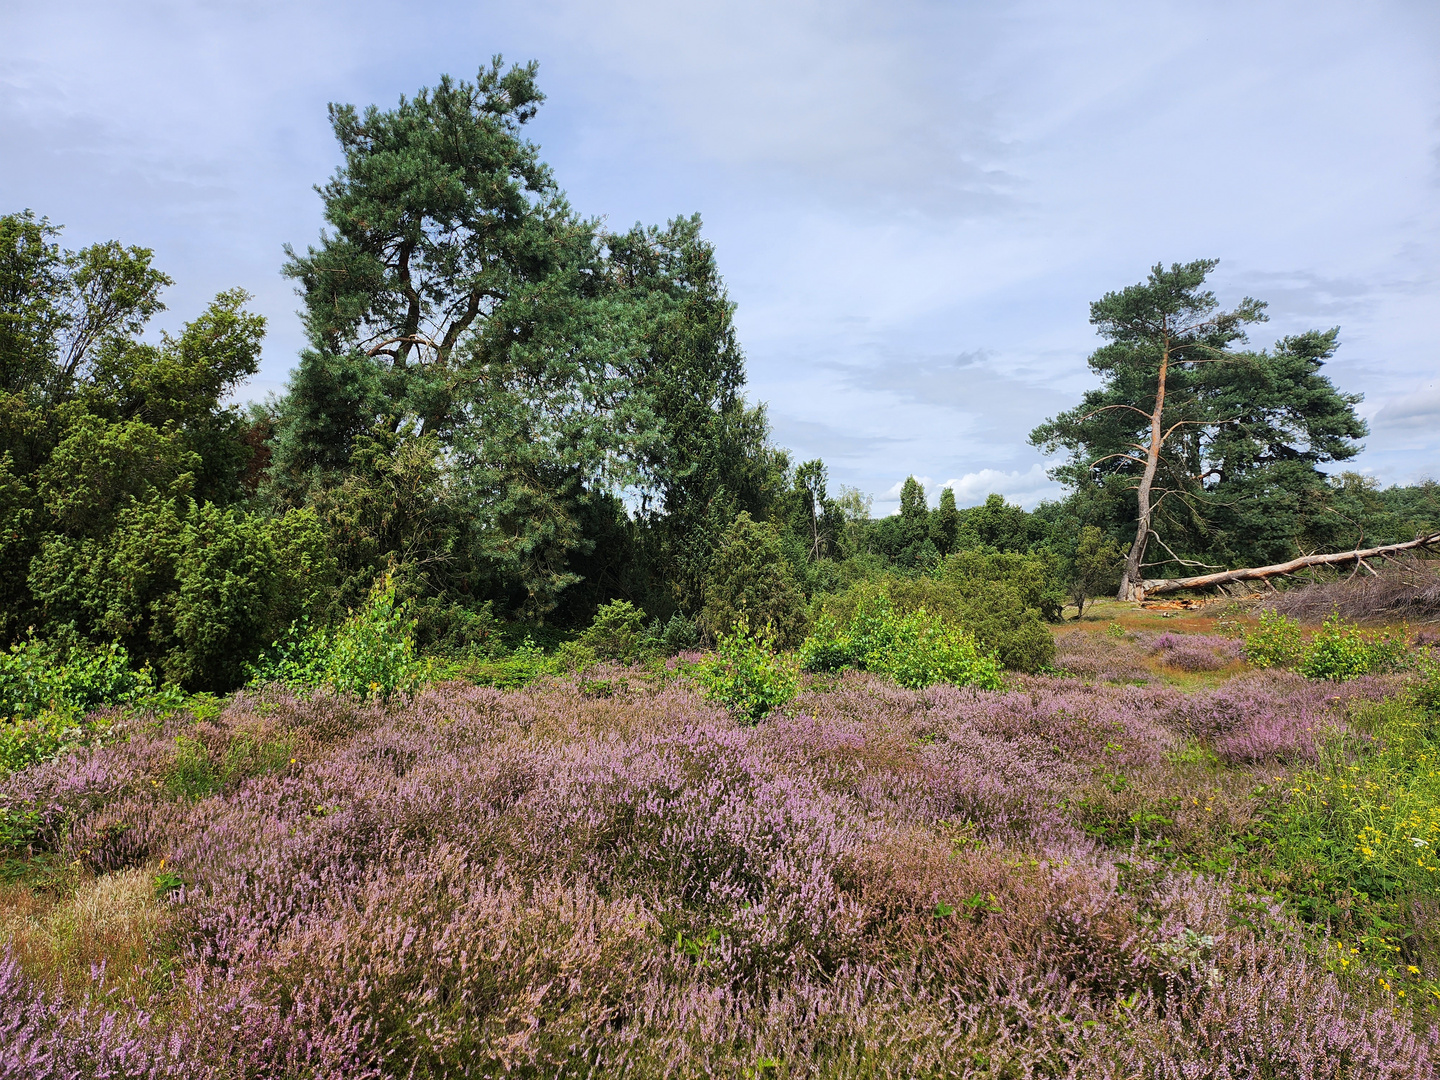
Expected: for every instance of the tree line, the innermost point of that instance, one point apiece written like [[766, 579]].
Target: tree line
[[516, 413]]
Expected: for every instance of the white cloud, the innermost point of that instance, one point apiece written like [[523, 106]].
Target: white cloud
[[894, 492], [1419, 410], [1026, 488]]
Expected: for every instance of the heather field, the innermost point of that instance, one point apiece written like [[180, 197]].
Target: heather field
[[608, 875]]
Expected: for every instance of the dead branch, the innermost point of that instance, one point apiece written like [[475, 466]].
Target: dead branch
[[1262, 573]]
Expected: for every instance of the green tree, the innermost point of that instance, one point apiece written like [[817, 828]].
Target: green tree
[[999, 525], [1093, 566], [945, 523], [457, 293], [712, 458], [1189, 422], [459, 296], [99, 425], [751, 585]]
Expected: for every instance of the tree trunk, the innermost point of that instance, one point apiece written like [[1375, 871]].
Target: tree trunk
[[1130, 581], [1261, 573]]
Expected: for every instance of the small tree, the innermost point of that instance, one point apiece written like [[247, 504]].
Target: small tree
[[1093, 568], [751, 585]]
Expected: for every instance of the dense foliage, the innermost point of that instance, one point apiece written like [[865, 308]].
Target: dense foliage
[[511, 418]]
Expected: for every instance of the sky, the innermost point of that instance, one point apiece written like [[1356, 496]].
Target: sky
[[913, 204]]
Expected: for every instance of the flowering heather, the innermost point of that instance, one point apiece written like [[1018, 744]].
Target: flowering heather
[[1093, 656], [873, 882], [1194, 652]]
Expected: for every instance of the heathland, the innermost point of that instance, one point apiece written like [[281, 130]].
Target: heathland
[[502, 700]]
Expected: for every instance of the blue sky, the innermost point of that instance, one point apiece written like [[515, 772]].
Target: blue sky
[[913, 203]]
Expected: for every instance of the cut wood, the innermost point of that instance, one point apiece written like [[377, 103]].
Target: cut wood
[[1263, 573]]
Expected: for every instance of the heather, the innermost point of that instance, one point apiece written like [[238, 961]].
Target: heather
[[1058, 879]]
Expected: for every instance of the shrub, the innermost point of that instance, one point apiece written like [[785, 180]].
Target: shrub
[[994, 612], [1276, 642], [195, 592], [748, 675], [447, 628], [1027, 581], [371, 654], [1339, 651], [680, 634], [35, 678], [914, 649], [750, 584], [618, 632], [45, 693], [524, 664], [1195, 652]]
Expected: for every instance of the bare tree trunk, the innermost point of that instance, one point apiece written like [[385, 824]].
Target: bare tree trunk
[[1130, 580], [1263, 573]]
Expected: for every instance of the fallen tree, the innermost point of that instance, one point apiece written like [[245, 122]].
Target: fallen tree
[[1262, 573]]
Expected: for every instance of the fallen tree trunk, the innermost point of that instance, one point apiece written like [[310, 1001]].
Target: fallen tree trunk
[[1259, 573]]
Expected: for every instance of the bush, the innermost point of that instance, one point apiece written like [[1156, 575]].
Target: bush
[[748, 675], [750, 585], [1276, 642], [193, 591], [618, 632], [680, 634], [1339, 651], [371, 655], [994, 609], [45, 693], [447, 628], [35, 678], [1094, 568], [1024, 581], [914, 649]]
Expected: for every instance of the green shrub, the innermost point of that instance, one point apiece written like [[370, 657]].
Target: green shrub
[[991, 609], [447, 628], [1028, 582], [1340, 651], [748, 675], [523, 665], [191, 589], [680, 633], [915, 649], [618, 632], [45, 692], [371, 654], [1337, 651], [35, 678], [1276, 642]]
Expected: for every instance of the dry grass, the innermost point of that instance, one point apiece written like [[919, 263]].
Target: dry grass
[[114, 921], [1405, 589]]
